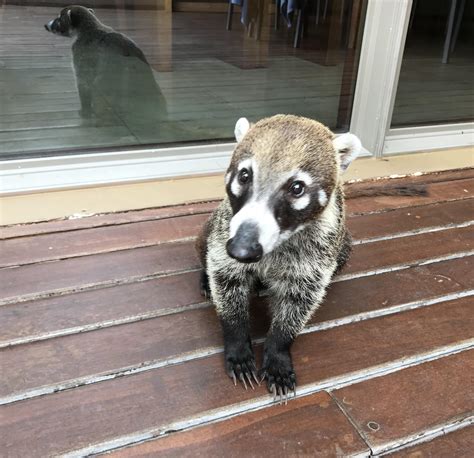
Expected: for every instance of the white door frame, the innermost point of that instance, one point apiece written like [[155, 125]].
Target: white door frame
[[383, 44]]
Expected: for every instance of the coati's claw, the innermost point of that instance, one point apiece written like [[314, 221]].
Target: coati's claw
[[233, 377], [273, 391], [242, 379], [281, 379], [240, 364], [254, 375], [249, 380]]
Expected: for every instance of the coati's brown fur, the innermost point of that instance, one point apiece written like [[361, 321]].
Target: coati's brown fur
[[281, 227]]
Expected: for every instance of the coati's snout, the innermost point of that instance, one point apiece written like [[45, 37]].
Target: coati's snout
[[53, 26], [282, 176], [244, 245]]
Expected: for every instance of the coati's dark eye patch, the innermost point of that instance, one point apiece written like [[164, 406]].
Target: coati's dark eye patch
[[244, 176], [297, 188]]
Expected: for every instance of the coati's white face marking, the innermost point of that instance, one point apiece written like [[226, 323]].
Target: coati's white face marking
[[301, 203], [236, 187], [323, 197]]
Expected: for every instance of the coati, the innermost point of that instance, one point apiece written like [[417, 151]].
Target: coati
[[281, 226], [111, 72]]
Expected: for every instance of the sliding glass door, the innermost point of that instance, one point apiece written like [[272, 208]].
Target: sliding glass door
[[175, 73]]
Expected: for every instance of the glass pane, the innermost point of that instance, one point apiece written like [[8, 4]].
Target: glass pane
[[161, 72], [437, 72]]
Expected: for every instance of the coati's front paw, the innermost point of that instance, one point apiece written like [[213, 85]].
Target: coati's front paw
[[278, 370], [240, 364]]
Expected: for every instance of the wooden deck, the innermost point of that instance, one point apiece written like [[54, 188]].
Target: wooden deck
[[106, 345]]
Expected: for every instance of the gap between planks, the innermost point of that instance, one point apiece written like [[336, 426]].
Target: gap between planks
[[216, 415], [205, 352]]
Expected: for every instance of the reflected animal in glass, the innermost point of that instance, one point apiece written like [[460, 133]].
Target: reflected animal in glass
[[113, 76]]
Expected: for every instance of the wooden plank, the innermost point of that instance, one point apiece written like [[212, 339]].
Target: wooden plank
[[411, 219], [395, 409], [155, 399], [409, 250], [459, 443], [109, 306], [309, 426], [109, 219], [99, 308], [124, 266], [98, 270], [39, 248], [437, 192], [55, 361], [28, 250], [378, 292]]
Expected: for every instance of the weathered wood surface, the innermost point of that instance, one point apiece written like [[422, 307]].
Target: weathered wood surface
[[393, 409], [459, 443], [108, 344]]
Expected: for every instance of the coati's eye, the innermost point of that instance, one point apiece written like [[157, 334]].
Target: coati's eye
[[244, 176], [297, 188]]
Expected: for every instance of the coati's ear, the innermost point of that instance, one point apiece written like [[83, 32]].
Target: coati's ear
[[242, 126], [91, 11], [348, 146]]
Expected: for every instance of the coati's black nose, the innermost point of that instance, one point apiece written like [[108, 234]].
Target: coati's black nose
[[244, 246], [49, 26]]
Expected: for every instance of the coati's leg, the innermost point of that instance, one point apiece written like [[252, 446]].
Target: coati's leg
[[201, 248], [85, 96], [230, 295], [291, 308], [85, 68]]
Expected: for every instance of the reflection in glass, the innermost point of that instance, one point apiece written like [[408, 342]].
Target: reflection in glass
[[160, 76], [436, 76], [113, 77]]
